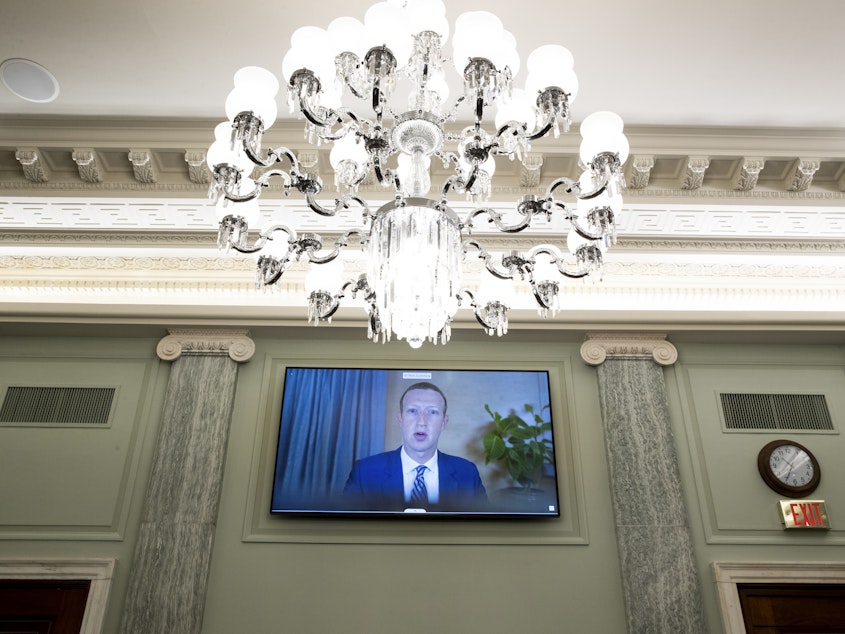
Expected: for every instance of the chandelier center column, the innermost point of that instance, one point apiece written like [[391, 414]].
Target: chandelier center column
[[659, 578], [167, 583]]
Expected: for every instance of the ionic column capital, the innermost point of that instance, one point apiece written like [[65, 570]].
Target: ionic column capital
[[236, 343], [601, 345]]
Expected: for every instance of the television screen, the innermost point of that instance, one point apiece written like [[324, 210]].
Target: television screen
[[416, 442]]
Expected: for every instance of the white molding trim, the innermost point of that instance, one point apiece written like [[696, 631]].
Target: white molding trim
[[729, 574], [99, 571]]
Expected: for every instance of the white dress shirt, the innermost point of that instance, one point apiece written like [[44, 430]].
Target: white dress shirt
[[431, 476]]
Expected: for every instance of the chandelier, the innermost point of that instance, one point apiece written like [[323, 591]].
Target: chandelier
[[394, 63]]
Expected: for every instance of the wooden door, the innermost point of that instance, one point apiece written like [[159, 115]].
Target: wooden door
[[780, 608], [42, 607]]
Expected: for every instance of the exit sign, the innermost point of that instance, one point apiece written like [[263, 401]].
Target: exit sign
[[803, 514]]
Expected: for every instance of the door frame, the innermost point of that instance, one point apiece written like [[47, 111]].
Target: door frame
[[98, 571], [729, 574]]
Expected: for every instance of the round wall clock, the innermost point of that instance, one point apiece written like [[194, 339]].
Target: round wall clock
[[789, 468]]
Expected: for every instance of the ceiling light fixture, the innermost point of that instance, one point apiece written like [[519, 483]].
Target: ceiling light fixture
[[415, 244]]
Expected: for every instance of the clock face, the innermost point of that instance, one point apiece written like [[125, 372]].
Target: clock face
[[791, 465], [789, 468]]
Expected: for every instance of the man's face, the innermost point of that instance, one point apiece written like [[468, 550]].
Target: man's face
[[422, 418]]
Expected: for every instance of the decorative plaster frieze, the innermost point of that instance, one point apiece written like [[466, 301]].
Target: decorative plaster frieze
[[802, 176], [123, 263], [236, 343], [88, 165], [748, 173], [531, 169], [638, 172], [34, 168], [142, 166], [600, 346], [694, 176], [644, 270], [198, 170]]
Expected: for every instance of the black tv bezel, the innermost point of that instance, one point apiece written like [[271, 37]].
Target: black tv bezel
[[328, 514]]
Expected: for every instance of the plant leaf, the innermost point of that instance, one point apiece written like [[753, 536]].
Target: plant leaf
[[494, 446]]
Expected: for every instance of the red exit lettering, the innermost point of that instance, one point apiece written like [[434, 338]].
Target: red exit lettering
[[806, 514]]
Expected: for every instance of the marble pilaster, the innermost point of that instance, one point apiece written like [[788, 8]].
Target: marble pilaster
[[659, 578], [168, 579]]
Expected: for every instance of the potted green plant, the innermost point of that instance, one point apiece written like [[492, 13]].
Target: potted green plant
[[523, 446]]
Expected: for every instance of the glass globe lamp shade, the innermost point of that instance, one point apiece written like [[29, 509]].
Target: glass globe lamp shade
[[601, 123], [221, 153], [553, 76], [428, 15], [348, 148], [494, 289], [262, 105], [277, 244], [510, 56], [477, 34], [256, 80], [545, 270], [347, 35], [549, 56], [310, 39], [326, 277], [595, 145], [321, 64], [223, 132], [386, 24], [518, 108]]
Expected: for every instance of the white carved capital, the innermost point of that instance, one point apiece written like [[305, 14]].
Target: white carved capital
[[531, 170], [198, 170], [236, 343], [88, 164], [34, 169], [694, 176], [749, 173], [638, 171], [599, 346], [802, 175], [142, 165]]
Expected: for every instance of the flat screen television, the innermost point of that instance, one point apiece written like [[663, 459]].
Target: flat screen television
[[351, 439]]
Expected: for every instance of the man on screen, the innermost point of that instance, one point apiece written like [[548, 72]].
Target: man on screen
[[416, 476]]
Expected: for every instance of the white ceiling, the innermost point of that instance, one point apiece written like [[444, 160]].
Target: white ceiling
[[719, 84], [722, 62]]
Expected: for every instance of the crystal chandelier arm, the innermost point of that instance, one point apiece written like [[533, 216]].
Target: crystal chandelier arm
[[504, 273], [310, 243], [339, 204], [263, 238], [493, 317], [496, 218], [457, 182], [386, 177], [556, 259]]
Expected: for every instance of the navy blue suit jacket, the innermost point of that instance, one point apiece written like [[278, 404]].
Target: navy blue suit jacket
[[376, 483]]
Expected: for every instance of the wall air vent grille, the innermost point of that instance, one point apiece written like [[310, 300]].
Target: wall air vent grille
[[57, 406], [793, 412]]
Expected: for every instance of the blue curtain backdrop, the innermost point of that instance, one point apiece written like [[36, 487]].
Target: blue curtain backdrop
[[330, 418]]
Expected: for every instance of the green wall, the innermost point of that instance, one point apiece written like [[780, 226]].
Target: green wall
[[79, 492]]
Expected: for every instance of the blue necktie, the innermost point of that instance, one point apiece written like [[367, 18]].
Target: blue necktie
[[419, 494]]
